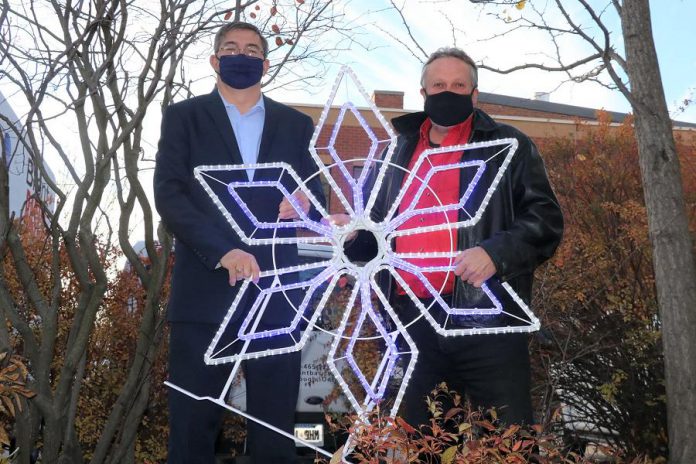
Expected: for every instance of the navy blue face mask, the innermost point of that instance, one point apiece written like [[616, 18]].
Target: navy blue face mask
[[240, 71]]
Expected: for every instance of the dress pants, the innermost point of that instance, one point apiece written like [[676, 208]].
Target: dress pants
[[491, 370], [272, 387]]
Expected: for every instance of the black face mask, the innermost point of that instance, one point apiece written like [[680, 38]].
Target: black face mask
[[448, 108]]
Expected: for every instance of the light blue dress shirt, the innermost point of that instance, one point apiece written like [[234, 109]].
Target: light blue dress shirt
[[248, 128]]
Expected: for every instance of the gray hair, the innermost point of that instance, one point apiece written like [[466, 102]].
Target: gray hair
[[451, 52], [225, 28]]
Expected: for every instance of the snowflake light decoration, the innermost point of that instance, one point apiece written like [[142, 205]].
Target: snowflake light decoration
[[500, 307]]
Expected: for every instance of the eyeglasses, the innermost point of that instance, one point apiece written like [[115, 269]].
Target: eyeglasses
[[249, 50]]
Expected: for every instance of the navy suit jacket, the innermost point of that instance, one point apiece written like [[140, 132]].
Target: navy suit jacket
[[197, 132]]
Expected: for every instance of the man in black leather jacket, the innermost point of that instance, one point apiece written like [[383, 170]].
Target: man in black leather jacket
[[520, 228]]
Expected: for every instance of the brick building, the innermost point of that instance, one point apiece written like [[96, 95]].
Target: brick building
[[537, 118], [26, 182]]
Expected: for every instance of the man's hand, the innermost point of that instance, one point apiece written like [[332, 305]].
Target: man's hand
[[341, 219], [474, 266], [287, 211], [240, 265]]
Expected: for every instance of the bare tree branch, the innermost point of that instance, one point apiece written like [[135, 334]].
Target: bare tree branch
[[423, 53]]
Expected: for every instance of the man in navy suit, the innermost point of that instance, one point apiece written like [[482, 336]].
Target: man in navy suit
[[235, 124]]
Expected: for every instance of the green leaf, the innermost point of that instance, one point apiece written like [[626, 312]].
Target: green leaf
[[337, 457], [463, 427], [449, 454]]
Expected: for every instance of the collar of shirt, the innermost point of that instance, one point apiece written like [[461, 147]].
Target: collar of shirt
[[248, 128], [456, 134], [258, 106]]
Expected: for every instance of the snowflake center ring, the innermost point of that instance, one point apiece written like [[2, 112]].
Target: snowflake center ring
[[374, 237]]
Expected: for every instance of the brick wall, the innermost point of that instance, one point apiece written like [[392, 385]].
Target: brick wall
[[351, 142], [388, 99]]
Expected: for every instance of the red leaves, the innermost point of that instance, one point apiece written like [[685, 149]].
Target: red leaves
[[275, 28], [278, 40], [486, 425], [403, 425], [513, 429], [453, 412], [453, 440]]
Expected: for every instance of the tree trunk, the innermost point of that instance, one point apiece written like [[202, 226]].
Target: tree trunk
[[26, 432], [72, 451], [675, 267]]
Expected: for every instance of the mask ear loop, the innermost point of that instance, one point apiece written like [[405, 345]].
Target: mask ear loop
[[217, 71]]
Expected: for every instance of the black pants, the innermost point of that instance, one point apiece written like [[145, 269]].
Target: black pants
[[272, 388], [491, 370]]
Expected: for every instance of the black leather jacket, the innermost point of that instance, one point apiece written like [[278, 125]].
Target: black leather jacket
[[522, 224]]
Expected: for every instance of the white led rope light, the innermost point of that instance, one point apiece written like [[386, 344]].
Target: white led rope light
[[397, 343]]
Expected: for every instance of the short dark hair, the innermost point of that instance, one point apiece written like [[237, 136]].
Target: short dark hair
[[452, 52], [227, 27]]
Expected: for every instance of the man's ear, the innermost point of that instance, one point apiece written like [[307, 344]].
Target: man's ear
[[215, 63], [474, 97], [422, 92], [266, 65]]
